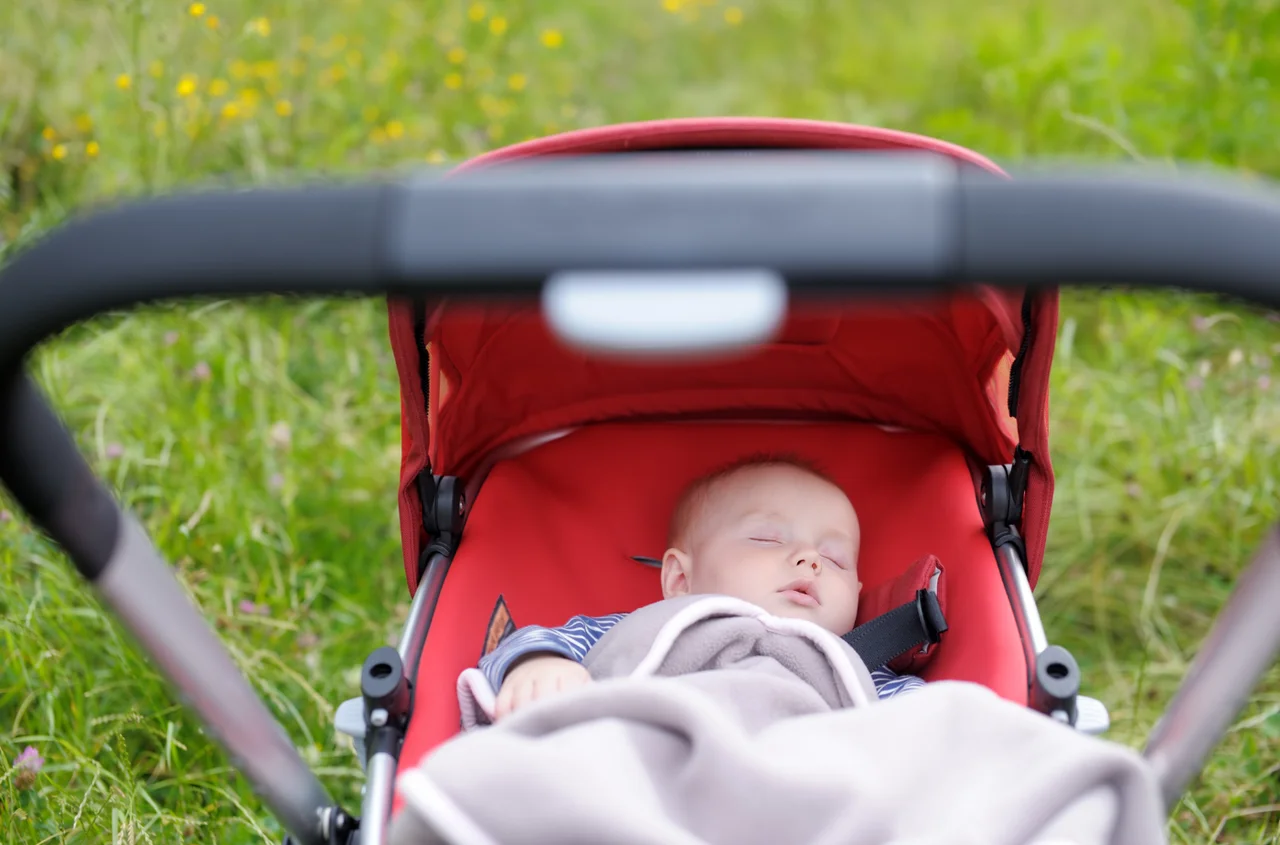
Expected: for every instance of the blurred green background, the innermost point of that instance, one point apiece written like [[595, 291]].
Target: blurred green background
[[260, 444]]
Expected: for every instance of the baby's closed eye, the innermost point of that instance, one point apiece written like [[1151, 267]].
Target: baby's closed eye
[[836, 559]]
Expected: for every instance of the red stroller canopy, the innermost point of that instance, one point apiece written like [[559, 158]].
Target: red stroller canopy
[[939, 364]]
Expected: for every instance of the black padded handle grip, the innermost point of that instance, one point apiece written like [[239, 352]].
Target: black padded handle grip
[[318, 240], [831, 222]]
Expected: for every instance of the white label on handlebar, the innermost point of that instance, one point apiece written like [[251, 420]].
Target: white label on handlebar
[[665, 313]]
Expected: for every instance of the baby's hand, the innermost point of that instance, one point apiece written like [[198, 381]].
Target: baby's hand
[[538, 677]]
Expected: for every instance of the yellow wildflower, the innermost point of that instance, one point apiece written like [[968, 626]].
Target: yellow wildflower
[[84, 123], [378, 135], [230, 111], [265, 69], [456, 55], [212, 22], [733, 16], [219, 88], [517, 81], [124, 82], [672, 6], [239, 69], [498, 25], [552, 39], [453, 81], [259, 26], [196, 10], [284, 108], [338, 43], [435, 157], [59, 152], [249, 97], [395, 129], [354, 58], [333, 75], [92, 149], [49, 133], [187, 85], [156, 69], [476, 12]]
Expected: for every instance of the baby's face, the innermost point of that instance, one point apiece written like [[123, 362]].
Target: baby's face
[[777, 537]]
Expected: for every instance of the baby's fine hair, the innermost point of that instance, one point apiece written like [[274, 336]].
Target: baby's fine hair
[[697, 493]]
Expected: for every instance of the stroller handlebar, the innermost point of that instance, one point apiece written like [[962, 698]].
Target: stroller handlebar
[[857, 222], [826, 222]]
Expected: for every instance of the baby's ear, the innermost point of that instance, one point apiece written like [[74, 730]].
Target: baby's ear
[[675, 573]]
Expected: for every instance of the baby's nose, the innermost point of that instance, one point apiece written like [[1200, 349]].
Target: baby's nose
[[810, 559]]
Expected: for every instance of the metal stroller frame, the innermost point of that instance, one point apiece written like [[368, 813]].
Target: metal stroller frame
[[897, 223]]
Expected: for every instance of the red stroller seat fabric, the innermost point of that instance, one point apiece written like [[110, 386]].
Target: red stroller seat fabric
[[552, 532]]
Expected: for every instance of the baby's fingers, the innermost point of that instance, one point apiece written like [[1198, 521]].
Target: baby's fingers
[[513, 695], [525, 692], [503, 707], [572, 680]]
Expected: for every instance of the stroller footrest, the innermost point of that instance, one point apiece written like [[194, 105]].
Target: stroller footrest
[[1091, 716], [349, 719]]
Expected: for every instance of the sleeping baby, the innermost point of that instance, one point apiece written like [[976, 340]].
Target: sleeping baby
[[771, 531]]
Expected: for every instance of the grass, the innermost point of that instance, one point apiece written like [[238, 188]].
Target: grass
[[259, 442]]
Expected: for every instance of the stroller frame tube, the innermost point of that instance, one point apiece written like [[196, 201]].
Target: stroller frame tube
[[142, 591], [855, 224], [110, 548], [384, 758], [1241, 645], [1014, 574], [421, 612], [379, 788]]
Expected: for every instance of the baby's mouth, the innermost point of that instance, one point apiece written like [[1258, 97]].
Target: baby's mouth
[[800, 592]]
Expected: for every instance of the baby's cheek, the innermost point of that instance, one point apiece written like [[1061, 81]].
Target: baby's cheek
[[851, 608]]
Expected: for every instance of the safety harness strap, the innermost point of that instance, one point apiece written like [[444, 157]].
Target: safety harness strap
[[903, 629]]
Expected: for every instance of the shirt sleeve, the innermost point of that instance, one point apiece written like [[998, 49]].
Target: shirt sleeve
[[572, 640], [889, 683]]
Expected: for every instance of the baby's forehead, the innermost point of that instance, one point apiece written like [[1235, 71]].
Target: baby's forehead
[[749, 487], [768, 475]]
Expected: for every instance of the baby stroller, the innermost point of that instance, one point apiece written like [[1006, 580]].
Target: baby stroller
[[931, 411]]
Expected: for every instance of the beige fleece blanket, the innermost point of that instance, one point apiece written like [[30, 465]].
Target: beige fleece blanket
[[711, 721]]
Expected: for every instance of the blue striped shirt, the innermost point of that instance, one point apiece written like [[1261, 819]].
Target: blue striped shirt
[[576, 637]]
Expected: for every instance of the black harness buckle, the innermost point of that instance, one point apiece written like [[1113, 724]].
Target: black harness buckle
[[932, 622]]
